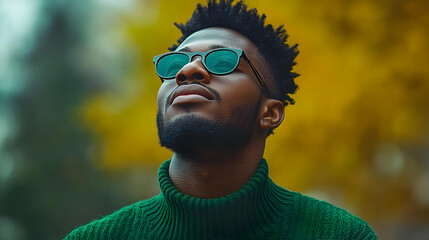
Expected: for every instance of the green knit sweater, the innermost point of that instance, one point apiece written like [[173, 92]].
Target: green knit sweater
[[259, 210]]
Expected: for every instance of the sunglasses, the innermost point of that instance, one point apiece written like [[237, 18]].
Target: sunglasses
[[219, 61]]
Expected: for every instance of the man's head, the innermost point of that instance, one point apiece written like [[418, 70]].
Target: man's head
[[270, 42], [201, 109]]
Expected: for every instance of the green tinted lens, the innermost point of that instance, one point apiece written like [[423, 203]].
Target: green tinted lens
[[168, 66], [222, 61]]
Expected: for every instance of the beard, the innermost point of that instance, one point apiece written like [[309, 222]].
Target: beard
[[193, 132]]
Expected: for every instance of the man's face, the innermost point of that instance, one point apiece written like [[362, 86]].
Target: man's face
[[198, 110]]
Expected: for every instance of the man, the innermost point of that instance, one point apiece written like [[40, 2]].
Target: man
[[223, 92]]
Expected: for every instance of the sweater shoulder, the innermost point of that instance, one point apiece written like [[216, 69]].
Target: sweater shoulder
[[114, 225], [326, 221]]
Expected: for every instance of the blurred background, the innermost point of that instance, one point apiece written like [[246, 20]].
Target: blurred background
[[78, 103]]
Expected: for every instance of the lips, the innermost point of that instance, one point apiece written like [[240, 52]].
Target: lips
[[191, 93]]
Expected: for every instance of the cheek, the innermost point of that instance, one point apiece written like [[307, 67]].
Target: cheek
[[162, 96], [242, 92]]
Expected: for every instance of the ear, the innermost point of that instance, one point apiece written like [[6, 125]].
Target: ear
[[272, 113]]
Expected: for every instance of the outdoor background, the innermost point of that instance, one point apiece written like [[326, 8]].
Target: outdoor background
[[78, 102]]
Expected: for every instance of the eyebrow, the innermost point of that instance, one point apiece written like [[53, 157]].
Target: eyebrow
[[213, 46]]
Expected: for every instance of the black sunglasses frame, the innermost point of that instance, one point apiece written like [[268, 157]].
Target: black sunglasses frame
[[240, 53]]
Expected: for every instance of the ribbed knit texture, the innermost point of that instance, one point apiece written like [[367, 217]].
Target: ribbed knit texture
[[259, 210]]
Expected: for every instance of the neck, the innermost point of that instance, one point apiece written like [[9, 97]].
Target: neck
[[213, 173]]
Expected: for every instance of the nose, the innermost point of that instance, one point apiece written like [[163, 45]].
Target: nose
[[193, 71]]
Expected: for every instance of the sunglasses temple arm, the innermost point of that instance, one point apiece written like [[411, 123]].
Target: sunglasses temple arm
[[258, 76]]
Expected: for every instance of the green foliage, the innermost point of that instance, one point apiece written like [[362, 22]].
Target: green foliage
[[56, 185]]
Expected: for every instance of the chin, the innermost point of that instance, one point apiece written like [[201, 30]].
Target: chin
[[190, 132]]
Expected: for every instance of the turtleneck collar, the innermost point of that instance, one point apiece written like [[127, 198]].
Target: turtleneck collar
[[249, 213]]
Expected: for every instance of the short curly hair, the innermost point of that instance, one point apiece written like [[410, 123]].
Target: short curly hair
[[270, 42]]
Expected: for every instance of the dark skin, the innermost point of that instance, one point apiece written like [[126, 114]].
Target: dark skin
[[213, 172]]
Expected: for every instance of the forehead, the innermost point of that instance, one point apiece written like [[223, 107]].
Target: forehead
[[209, 38]]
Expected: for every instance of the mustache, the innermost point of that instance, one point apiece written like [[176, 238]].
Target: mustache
[[216, 93]]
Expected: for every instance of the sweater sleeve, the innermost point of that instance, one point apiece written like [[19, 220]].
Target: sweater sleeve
[[321, 220]]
